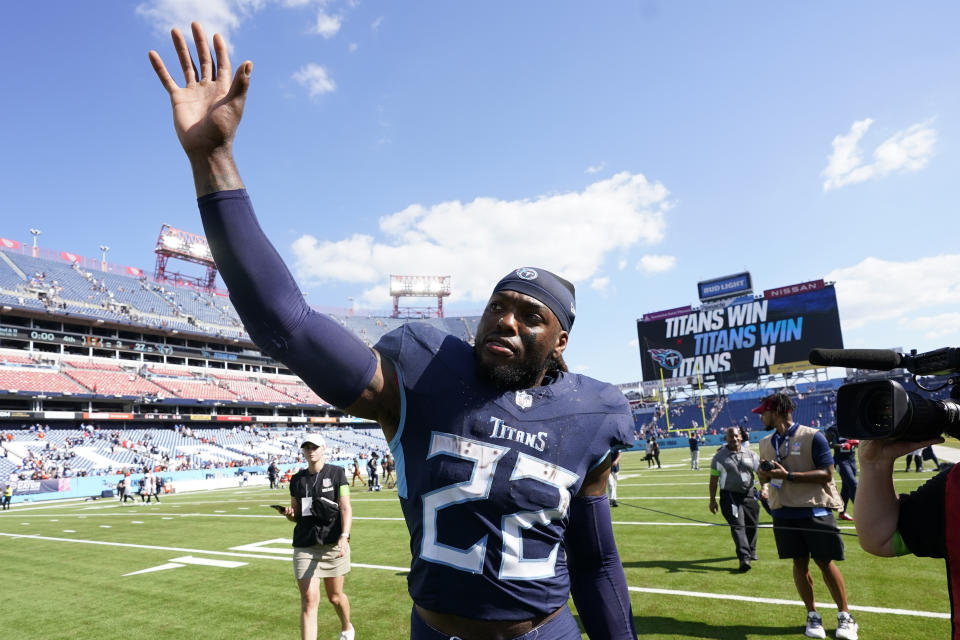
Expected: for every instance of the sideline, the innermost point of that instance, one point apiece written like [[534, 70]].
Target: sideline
[[667, 592]]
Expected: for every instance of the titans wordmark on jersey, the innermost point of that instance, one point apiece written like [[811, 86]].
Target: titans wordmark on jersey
[[486, 478]]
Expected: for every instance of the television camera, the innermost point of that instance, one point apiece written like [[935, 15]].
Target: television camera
[[883, 408]]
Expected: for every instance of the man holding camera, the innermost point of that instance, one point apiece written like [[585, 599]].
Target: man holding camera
[[796, 469], [889, 524]]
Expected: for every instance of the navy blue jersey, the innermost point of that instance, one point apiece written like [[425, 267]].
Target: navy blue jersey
[[485, 477]]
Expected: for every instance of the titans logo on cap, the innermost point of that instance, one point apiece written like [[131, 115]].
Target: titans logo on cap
[[526, 273]]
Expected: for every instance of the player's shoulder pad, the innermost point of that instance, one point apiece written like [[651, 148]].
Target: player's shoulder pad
[[608, 397], [418, 334]]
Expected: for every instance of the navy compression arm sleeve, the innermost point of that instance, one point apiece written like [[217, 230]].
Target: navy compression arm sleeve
[[330, 359], [597, 581]]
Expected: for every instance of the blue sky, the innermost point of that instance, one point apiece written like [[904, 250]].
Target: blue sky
[[634, 147]]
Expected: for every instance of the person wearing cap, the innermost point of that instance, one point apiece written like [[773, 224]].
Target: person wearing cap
[[796, 473], [502, 454], [320, 507]]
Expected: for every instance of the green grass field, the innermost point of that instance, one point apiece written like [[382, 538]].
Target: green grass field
[[69, 569]]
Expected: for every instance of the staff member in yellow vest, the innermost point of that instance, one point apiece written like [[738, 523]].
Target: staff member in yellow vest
[[796, 471]]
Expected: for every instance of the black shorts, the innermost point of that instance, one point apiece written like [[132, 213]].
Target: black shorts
[[816, 537]]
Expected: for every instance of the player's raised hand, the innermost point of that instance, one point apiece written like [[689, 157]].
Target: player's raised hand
[[208, 108]]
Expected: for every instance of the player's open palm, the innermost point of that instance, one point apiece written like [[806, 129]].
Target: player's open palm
[[207, 110]]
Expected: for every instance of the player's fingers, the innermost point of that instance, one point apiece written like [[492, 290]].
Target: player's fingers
[[203, 51], [162, 73], [223, 69], [183, 53], [241, 81]]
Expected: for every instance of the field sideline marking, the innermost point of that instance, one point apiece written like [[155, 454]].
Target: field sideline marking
[[669, 592], [130, 545], [825, 605]]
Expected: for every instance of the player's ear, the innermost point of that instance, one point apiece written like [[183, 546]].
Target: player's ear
[[561, 344]]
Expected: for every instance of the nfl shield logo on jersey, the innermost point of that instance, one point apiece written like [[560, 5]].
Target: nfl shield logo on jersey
[[524, 400]]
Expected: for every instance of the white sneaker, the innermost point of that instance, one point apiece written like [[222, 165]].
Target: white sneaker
[[846, 627], [348, 634], [815, 626]]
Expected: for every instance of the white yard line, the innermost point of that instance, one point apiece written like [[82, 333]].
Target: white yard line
[[647, 590]]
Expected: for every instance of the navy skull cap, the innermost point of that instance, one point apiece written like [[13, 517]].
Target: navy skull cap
[[549, 288]]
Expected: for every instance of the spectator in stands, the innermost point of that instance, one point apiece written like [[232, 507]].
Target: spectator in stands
[[320, 507], [434, 397], [732, 469], [802, 496]]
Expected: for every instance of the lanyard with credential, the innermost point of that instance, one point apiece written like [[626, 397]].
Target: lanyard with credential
[[780, 446]]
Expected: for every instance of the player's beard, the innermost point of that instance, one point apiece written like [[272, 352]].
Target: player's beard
[[522, 374]]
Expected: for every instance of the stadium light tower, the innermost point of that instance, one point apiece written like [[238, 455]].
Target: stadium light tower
[[187, 247], [419, 287], [103, 257], [35, 233]]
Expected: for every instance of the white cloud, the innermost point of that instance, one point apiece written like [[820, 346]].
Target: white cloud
[[375, 25], [875, 290], [478, 242], [315, 79], [934, 327], [651, 264], [907, 150], [633, 343], [600, 284], [352, 47], [216, 16], [596, 168], [327, 25]]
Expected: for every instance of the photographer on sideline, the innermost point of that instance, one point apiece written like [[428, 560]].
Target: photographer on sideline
[[796, 468]]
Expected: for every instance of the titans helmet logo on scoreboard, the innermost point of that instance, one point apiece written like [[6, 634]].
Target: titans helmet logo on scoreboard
[[666, 358]]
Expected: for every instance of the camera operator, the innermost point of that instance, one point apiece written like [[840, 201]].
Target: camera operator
[[889, 524]]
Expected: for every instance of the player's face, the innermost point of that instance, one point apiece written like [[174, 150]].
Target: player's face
[[516, 337]]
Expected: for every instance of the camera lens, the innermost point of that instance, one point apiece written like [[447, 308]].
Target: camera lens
[[878, 412]]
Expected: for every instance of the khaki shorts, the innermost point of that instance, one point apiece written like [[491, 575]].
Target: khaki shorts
[[320, 561]]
